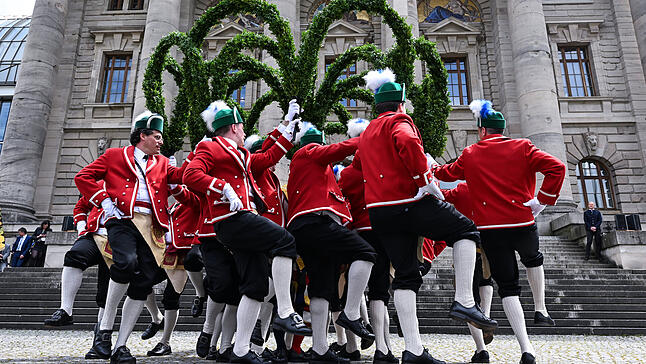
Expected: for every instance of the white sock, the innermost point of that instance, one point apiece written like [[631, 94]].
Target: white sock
[[217, 329], [197, 280], [377, 308], [476, 334], [170, 320], [281, 271], [536, 278], [212, 310], [256, 349], [71, 280], [100, 315], [129, 314], [151, 306], [248, 310], [114, 295], [406, 305], [319, 309], [387, 328], [272, 291], [340, 331], [351, 345], [289, 340], [264, 316], [363, 309], [486, 295], [464, 260], [358, 276], [516, 317], [229, 321]]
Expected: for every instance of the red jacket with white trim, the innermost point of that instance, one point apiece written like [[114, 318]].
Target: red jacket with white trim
[[81, 209], [393, 160], [501, 174], [460, 198], [184, 219], [352, 186], [116, 167], [311, 186], [217, 163]]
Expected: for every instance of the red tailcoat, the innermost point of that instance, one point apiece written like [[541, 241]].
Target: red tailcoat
[[352, 186], [116, 167], [81, 210], [501, 174], [202, 229], [312, 186], [84, 211], [460, 198], [218, 162], [393, 160], [184, 219]]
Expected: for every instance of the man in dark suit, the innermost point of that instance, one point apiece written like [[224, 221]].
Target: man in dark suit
[[20, 248], [593, 219]]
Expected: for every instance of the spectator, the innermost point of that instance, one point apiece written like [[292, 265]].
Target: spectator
[[20, 248], [39, 248], [593, 219], [5, 252]]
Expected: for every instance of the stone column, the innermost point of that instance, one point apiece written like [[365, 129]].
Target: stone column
[[638, 10], [537, 98], [30, 109], [163, 18]]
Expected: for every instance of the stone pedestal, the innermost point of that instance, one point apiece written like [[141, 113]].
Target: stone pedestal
[[58, 243], [626, 249]]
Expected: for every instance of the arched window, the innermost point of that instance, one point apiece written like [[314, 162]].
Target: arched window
[[595, 185]]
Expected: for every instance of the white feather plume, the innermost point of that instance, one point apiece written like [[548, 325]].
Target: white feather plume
[[374, 79], [144, 114], [208, 115], [356, 127], [304, 127], [476, 107], [337, 171], [250, 140]]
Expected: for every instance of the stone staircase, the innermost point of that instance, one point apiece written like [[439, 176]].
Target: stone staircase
[[584, 297]]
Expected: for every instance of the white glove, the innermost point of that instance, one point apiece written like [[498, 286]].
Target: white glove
[[229, 194], [168, 237], [430, 161], [293, 109], [288, 132], [80, 226], [535, 205], [110, 209], [430, 189], [172, 161], [172, 186]]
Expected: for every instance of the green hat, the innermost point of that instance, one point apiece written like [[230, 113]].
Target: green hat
[[313, 135], [218, 114], [149, 120], [382, 83], [485, 114], [257, 145]]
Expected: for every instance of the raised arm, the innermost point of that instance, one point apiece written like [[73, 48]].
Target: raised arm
[[328, 154], [553, 170], [86, 179], [410, 149]]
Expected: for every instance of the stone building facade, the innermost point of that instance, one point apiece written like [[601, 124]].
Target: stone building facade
[[568, 74]]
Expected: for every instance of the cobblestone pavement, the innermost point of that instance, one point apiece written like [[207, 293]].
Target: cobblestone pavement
[[66, 346]]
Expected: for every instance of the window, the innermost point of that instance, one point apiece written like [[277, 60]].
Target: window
[[13, 33], [458, 83], [238, 95], [5, 105], [115, 4], [115, 78], [350, 71], [575, 71], [594, 184], [136, 5]]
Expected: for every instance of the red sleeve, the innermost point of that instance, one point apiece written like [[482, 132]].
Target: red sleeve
[[196, 175], [186, 197], [175, 175], [410, 149], [272, 137], [328, 154], [553, 170], [261, 161], [450, 172], [81, 209], [86, 179]]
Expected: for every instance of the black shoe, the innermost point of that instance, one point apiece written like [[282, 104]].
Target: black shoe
[[59, 318], [103, 344], [198, 306], [366, 343], [472, 315], [353, 356], [542, 320], [357, 326], [225, 357], [203, 344], [152, 330], [480, 357], [213, 353], [256, 335], [292, 323], [160, 349], [280, 355], [423, 358], [122, 356], [329, 357], [487, 336], [267, 355], [248, 358], [92, 355], [335, 347], [527, 358], [294, 357], [381, 358]]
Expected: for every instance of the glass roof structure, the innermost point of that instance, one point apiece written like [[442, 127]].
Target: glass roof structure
[[13, 35]]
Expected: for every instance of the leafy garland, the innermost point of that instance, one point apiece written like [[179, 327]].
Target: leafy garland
[[200, 82]]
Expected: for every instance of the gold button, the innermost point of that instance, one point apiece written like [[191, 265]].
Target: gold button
[[513, 201], [158, 200]]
